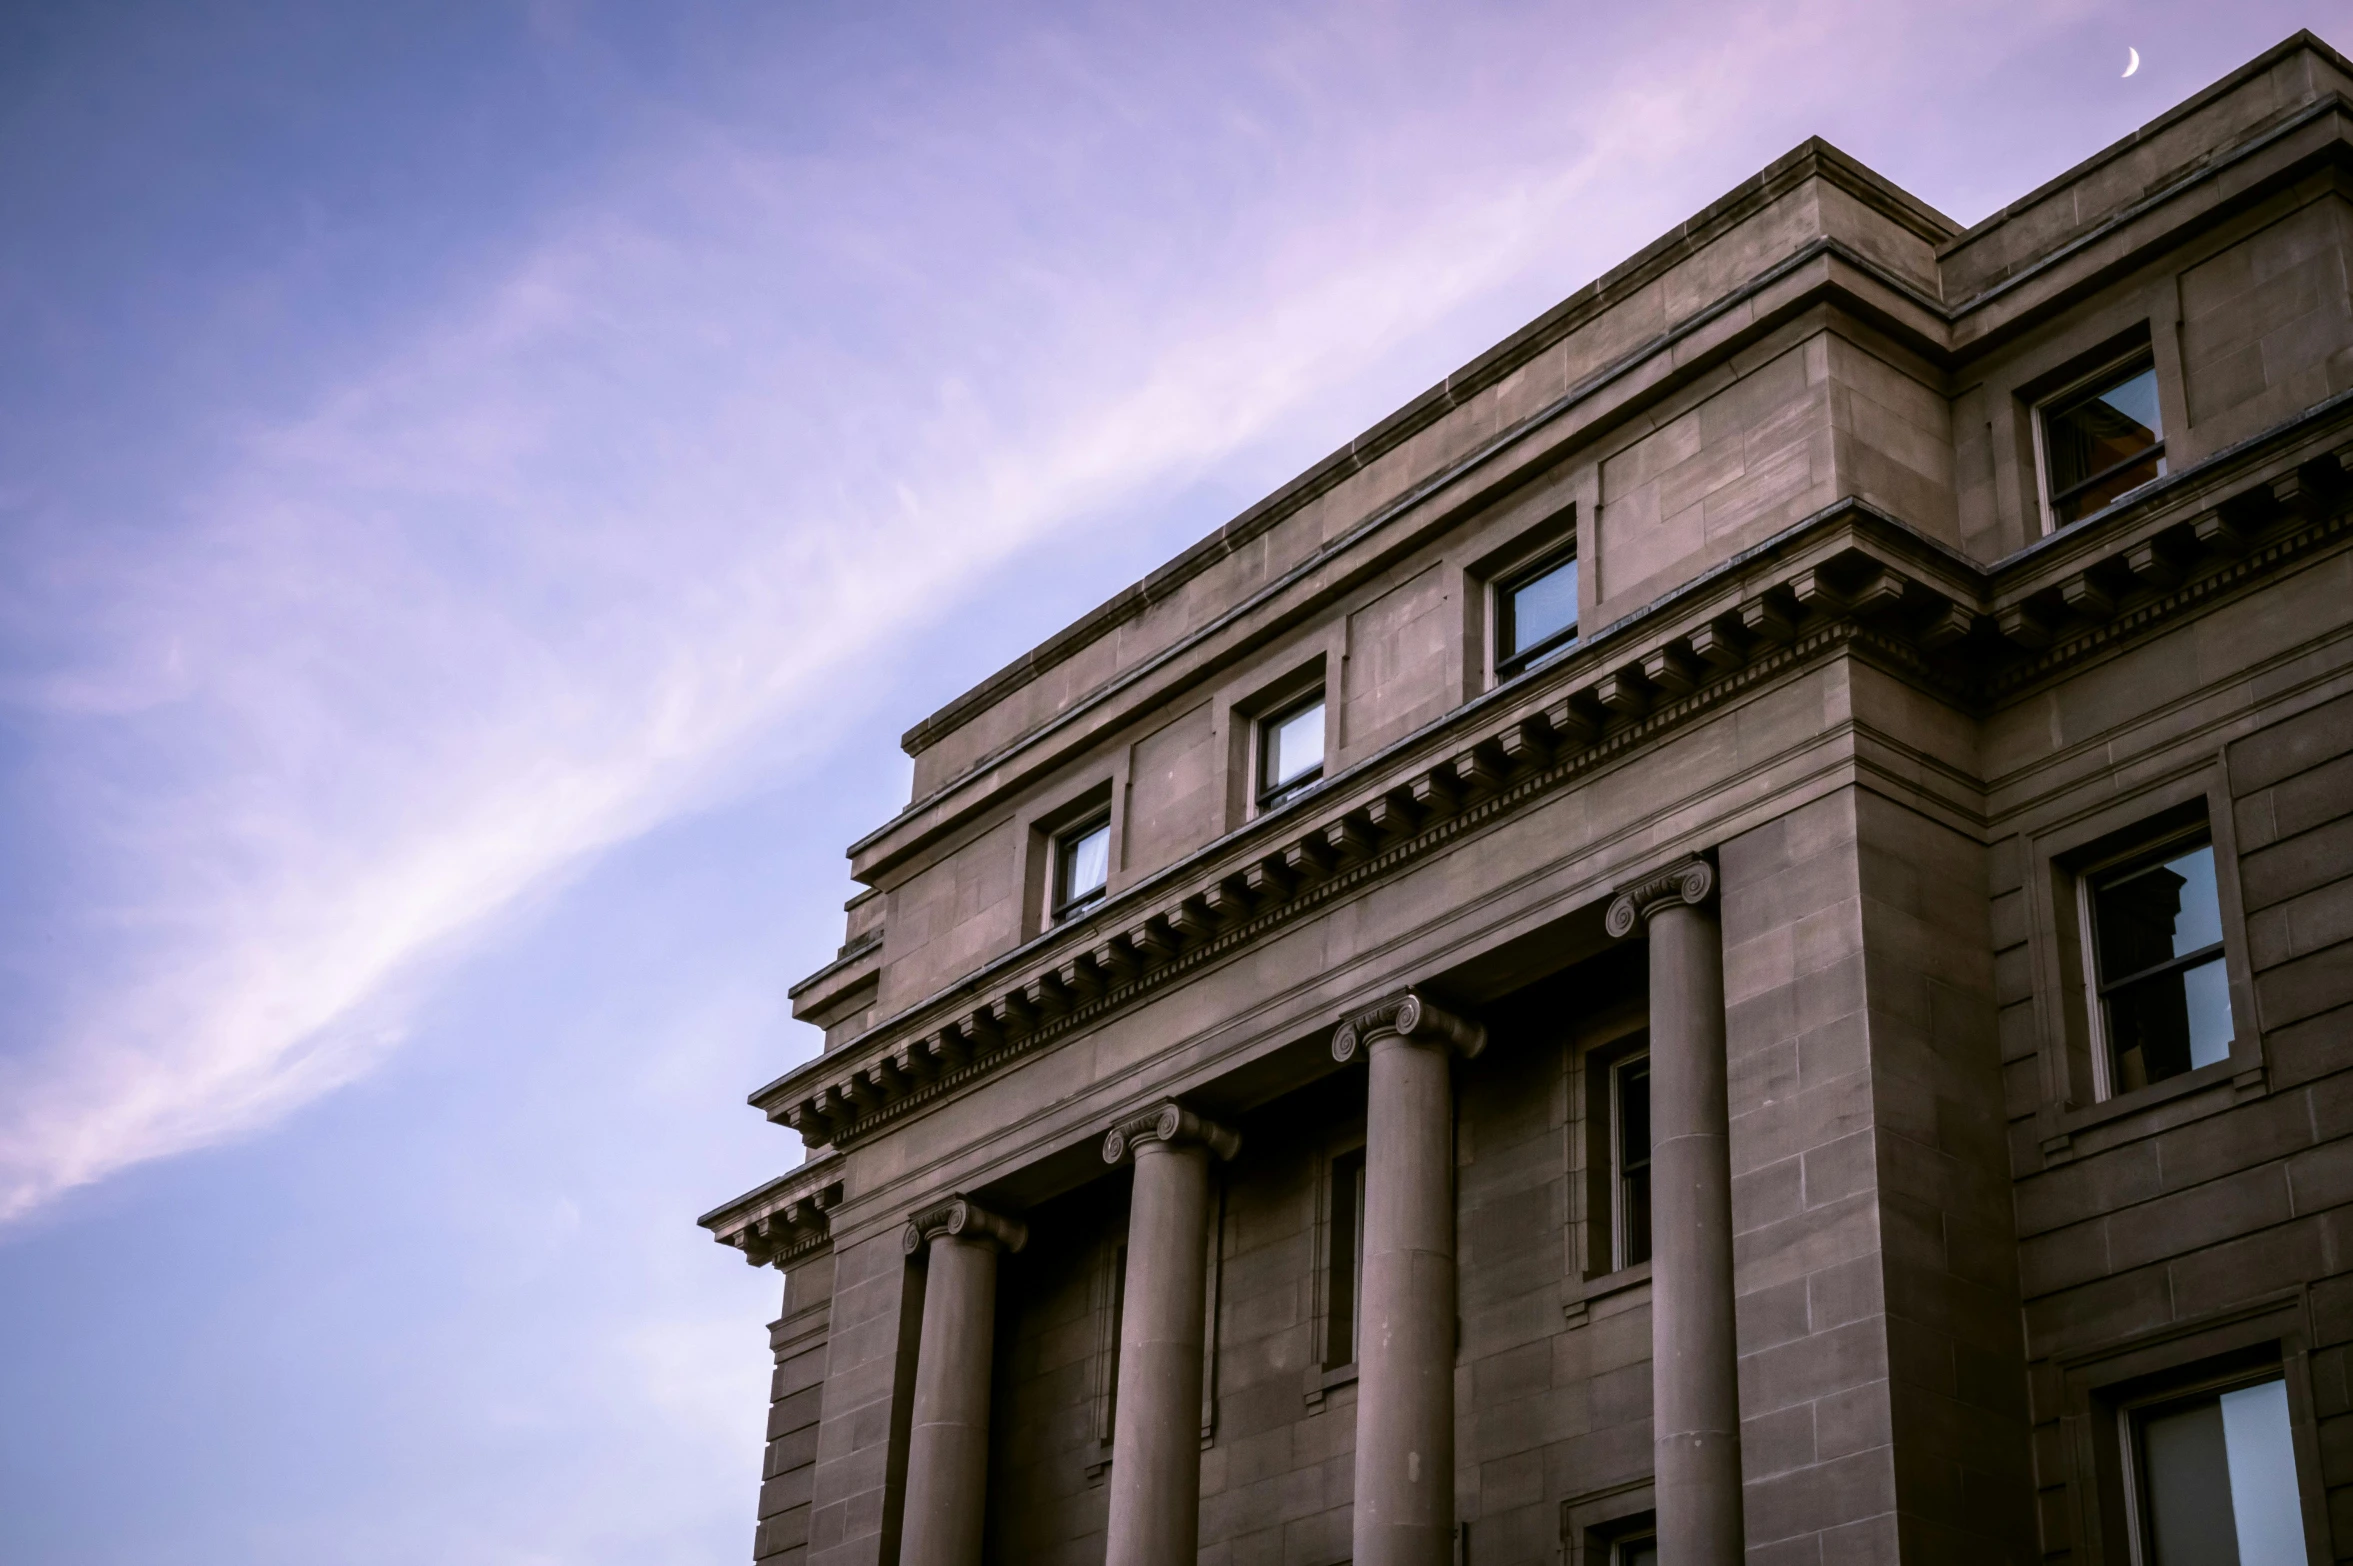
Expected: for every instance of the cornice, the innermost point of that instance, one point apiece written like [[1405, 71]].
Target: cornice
[[1414, 499], [1814, 159], [785, 1220], [1850, 581], [1811, 159], [1929, 334]]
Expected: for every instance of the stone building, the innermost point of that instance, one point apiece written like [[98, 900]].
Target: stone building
[[1731, 933]]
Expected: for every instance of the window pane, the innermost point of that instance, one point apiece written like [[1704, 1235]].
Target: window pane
[[1638, 1552], [2206, 997], [2186, 1487], [2263, 1475], [2166, 910], [1340, 1289], [2096, 433], [1538, 609], [2170, 1023], [1294, 745], [1632, 1141], [1086, 863]]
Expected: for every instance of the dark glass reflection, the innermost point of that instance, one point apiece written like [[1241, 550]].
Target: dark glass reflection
[[2103, 443], [1082, 869], [1291, 753], [2217, 1480], [1535, 615], [1347, 1258], [2163, 987], [1633, 1153]]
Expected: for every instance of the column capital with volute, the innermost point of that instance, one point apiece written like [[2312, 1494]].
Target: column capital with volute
[[1687, 883], [1169, 1122], [1411, 1015], [959, 1217]]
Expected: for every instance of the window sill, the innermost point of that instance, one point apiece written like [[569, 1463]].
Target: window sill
[[1583, 1292], [1321, 1382], [2242, 1068]]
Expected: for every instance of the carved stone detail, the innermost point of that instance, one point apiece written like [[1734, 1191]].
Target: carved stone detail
[[1169, 1122], [961, 1216], [1691, 881], [1411, 1015], [783, 1221]]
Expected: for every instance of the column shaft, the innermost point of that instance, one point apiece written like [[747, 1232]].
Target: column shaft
[[948, 1444], [1156, 1442], [1695, 1378], [1404, 1514]]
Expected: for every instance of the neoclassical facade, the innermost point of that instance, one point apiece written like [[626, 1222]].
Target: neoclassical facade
[[1729, 937]]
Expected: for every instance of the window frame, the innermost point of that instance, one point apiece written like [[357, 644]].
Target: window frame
[[1617, 1031], [2131, 1414], [2161, 844], [1344, 1174], [1267, 796], [1509, 666], [1342, 1150], [2238, 1345], [1061, 907], [1621, 1227], [2141, 356], [2084, 832]]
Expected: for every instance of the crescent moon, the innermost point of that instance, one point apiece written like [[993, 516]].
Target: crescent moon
[[2135, 63]]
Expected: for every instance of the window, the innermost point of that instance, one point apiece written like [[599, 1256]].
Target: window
[[1343, 1283], [2103, 439], [2161, 994], [2214, 1479], [1635, 1550], [1082, 867], [1630, 1161], [1291, 752], [1535, 615]]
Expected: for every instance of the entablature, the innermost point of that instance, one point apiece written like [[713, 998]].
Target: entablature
[[1829, 272], [1850, 581], [785, 1220]]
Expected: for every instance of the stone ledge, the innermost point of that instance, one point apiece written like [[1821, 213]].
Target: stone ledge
[[785, 1220], [1850, 579]]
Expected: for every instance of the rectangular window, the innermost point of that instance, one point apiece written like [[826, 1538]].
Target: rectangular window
[[1082, 867], [1343, 1283], [2160, 989], [1640, 1550], [2215, 1479], [2103, 439], [1535, 615], [1291, 752], [1630, 1161]]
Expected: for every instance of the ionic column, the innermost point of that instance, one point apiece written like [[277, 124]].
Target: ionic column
[[948, 1444], [1155, 1433], [1404, 1513], [1694, 1375]]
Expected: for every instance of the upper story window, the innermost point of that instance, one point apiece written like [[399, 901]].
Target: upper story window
[[1535, 614], [1291, 751], [2215, 1478], [1629, 1080], [2103, 439], [2161, 993], [1082, 867]]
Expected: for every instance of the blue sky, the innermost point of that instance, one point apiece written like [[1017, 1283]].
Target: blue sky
[[482, 488]]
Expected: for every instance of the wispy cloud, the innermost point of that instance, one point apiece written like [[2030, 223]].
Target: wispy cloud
[[601, 536]]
